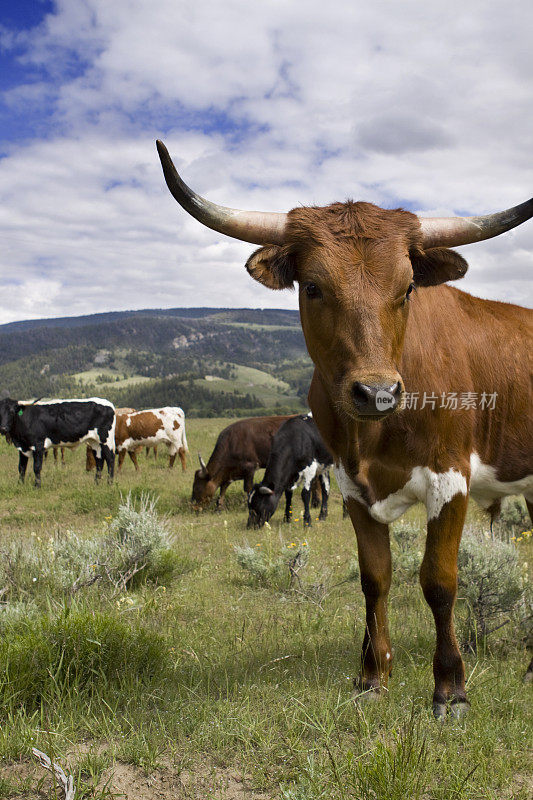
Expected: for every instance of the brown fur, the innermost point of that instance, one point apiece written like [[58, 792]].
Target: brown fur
[[143, 424], [361, 329]]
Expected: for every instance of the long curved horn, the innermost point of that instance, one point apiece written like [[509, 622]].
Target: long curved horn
[[455, 231], [202, 463], [257, 227]]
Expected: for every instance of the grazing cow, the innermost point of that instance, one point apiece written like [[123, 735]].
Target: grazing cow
[[298, 455], [151, 427], [379, 319], [240, 450], [34, 429]]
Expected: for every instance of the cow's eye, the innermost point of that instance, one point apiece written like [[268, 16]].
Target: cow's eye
[[408, 292], [312, 291]]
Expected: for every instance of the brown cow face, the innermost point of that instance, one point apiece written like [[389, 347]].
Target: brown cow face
[[203, 489], [357, 267]]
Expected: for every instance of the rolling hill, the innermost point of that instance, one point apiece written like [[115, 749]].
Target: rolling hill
[[211, 361]]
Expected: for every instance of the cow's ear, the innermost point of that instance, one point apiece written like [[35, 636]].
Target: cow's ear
[[272, 266], [437, 265]]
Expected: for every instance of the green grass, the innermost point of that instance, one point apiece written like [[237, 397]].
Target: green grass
[[252, 381], [90, 376], [216, 669]]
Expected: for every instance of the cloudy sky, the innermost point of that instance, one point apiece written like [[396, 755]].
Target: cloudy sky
[[264, 105]]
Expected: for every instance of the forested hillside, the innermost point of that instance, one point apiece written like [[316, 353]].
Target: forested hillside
[[212, 362]]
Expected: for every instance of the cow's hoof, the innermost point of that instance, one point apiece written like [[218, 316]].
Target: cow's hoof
[[322, 517], [459, 709]]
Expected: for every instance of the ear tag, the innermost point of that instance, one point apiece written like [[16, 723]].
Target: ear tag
[[20, 412]]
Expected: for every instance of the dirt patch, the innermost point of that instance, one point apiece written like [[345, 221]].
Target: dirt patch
[[216, 783], [29, 781]]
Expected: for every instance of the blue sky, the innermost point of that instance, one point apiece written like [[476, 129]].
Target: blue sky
[[425, 105]]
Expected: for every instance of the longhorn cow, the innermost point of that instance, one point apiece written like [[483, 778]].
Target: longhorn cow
[[379, 319]]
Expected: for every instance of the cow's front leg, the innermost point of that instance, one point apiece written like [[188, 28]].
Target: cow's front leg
[[23, 463], [172, 453], [38, 457], [221, 499], [109, 458], [373, 548], [133, 456], [438, 577], [287, 517], [121, 457], [99, 460], [306, 500], [248, 481]]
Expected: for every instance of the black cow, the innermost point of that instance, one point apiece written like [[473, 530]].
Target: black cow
[[298, 454], [35, 428]]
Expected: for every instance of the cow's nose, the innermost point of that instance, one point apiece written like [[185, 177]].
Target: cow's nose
[[376, 400]]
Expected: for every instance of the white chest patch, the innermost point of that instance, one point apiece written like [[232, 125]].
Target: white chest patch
[[485, 487], [433, 489], [307, 475]]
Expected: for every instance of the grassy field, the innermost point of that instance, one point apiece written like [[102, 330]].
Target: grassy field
[[251, 381], [211, 683], [246, 380], [91, 376]]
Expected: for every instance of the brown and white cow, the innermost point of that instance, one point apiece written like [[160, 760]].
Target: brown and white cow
[[379, 320], [152, 427]]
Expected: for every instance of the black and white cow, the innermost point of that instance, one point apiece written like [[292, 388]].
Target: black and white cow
[[297, 456], [35, 428]]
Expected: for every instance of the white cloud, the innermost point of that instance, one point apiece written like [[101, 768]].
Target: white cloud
[[269, 106]]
